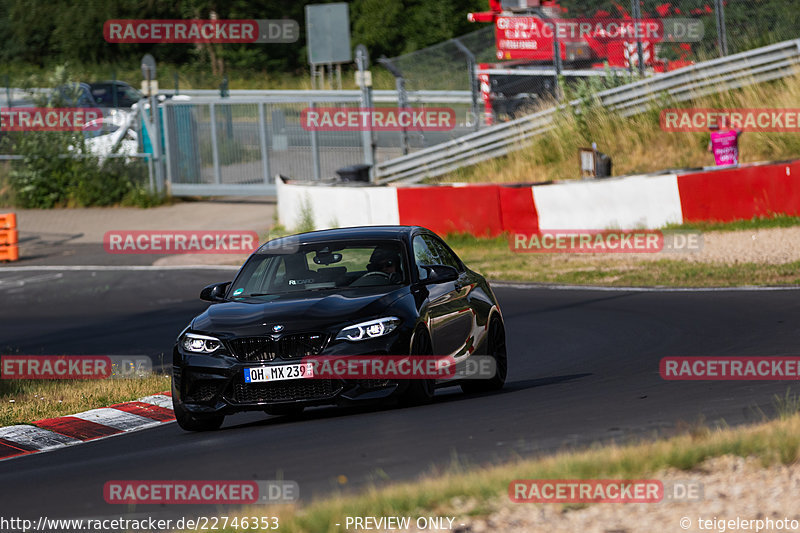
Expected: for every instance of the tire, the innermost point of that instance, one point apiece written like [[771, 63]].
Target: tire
[[284, 410], [192, 421], [419, 391], [497, 350]]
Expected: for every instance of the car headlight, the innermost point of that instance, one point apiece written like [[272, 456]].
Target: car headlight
[[200, 343], [369, 330]]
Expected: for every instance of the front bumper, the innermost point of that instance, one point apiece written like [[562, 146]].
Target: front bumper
[[214, 384]]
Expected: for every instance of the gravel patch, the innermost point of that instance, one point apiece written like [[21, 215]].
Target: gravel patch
[[732, 487]]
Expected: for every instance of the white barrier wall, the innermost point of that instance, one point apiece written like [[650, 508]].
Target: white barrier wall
[[337, 206], [631, 202]]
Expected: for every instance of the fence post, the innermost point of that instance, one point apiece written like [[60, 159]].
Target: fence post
[[262, 137], [637, 16], [167, 150], [722, 32], [362, 62], [214, 147], [315, 147], [473, 80], [114, 98], [402, 95]]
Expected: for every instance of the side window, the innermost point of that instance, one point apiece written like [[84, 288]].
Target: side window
[[446, 257], [423, 255]]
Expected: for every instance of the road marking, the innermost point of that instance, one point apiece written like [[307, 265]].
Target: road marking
[[530, 286], [21, 281], [121, 268]]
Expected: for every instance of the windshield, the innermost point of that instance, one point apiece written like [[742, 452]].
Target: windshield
[[322, 266]]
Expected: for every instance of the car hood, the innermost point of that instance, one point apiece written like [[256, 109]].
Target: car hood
[[294, 312]]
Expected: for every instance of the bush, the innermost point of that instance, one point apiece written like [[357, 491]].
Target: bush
[[58, 171]]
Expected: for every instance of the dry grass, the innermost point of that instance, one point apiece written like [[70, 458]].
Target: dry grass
[[25, 401], [459, 492], [637, 144]]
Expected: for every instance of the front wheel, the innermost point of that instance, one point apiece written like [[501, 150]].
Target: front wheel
[[497, 351], [193, 421], [420, 391]]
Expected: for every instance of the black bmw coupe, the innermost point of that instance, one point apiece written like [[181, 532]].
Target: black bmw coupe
[[377, 291]]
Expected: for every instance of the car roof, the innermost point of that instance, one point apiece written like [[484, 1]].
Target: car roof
[[356, 232]]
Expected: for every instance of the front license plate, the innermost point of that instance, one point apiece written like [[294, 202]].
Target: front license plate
[[278, 373]]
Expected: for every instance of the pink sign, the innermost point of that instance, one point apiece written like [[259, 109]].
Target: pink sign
[[725, 146]]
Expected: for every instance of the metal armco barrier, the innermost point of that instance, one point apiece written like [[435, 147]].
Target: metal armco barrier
[[715, 76], [9, 251]]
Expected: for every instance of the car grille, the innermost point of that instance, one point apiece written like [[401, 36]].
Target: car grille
[[295, 389], [254, 349]]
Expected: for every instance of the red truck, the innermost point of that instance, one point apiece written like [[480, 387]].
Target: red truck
[[527, 33]]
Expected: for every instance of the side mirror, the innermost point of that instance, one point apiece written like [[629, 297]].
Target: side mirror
[[440, 274], [215, 292]]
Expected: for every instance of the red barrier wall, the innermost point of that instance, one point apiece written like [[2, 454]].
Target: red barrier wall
[[741, 193], [517, 210], [472, 209]]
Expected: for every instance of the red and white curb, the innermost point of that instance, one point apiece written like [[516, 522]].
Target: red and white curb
[[53, 433]]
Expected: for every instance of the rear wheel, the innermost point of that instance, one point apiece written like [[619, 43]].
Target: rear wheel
[[420, 391], [497, 350]]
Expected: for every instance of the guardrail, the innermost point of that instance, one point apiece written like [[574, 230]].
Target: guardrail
[[380, 96], [717, 75]]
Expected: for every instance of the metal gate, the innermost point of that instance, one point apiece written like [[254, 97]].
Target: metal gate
[[224, 146]]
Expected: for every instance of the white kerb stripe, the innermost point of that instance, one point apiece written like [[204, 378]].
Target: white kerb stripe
[[161, 400], [34, 437], [116, 419]]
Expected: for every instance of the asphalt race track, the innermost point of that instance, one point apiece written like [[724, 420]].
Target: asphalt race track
[[583, 367]]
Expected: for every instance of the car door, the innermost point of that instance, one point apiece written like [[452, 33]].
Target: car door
[[460, 322], [448, 310]]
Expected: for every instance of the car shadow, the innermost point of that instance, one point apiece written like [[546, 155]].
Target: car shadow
[[443, 396]]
